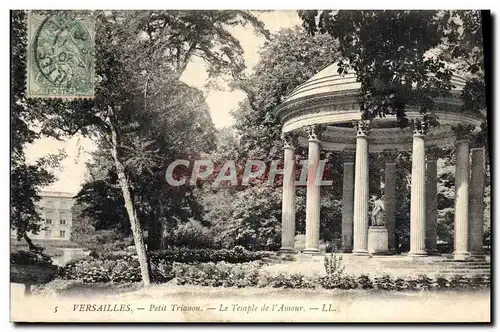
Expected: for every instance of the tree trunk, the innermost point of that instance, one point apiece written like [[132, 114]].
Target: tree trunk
[[27, 289], [32, 247], [129, 206], [154, 232]]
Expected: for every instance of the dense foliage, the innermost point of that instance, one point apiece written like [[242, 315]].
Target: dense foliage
[[251, 216], [221, 273], [389, 53], [31, 119], [125, 267], [31, 267], [144, 117]]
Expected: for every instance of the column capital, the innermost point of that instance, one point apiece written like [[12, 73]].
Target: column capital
[[480, 148], [362, 127], [433, 153], [315, 132], [463, 132], [390, 156], [290, 140], [348, 156]]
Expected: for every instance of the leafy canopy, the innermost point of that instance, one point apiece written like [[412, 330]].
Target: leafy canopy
[[390, 53]]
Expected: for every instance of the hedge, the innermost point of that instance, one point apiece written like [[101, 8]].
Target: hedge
[[185, 255], [31, 268], [248, 274], [125, 267], [222, 274]]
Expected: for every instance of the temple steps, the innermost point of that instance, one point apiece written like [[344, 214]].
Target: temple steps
[[396, 266]]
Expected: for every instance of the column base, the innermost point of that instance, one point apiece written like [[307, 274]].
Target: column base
[[312, 251], [477, 257], [462, 256], [360, 252], [433, 252], [287, 250], [419, 253], [346, 250]]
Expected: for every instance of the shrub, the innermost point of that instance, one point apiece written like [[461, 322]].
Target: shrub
[[348, 282], [399, 284], [186, 255], [345, 281], [31, 268], [30, 258], [161, 271], [441, 282], [294, 280], [364, 282], [333, 265], [217, 274], [173, 263], [191, 235], [384, 282], [487, 280], [423, 282], [90, 270], [410, 284], [476, 281], [457, 281], [334, 270]]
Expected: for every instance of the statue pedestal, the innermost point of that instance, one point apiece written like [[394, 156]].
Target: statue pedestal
[[378, 240], [300, 242]]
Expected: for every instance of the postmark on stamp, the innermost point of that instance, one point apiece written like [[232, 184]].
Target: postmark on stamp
[[61, 56]]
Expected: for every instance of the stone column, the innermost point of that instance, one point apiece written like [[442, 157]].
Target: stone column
[[347, 201], [431, 202], [288, 207], [390, 199], [417, 208], [313, 193], [476, 202], [462, 200], [361, 190]]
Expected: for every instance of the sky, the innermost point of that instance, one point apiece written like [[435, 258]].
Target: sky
[[71, 174]]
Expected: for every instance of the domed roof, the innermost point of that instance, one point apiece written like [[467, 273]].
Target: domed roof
[[329, 81]]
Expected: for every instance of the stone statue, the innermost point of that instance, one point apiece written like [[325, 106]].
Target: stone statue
[[378, 211]]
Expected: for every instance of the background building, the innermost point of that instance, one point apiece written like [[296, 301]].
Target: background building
[[55, 209]]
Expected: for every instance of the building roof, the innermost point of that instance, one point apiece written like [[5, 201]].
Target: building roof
[[61, 194], [328, 81]]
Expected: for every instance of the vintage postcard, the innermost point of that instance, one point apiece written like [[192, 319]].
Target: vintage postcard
[[250, 166]]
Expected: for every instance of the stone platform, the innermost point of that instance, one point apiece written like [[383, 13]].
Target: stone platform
[[396, 266]]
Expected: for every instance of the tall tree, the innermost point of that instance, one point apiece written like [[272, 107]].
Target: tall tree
[[176, 125], [30, 120], [287, 60], [136, 54], [389, 52], [251, 217], [140, 52]]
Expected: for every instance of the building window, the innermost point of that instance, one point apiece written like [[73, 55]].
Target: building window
[[47, 233], [49, 217], [62, 218], [62, 233]]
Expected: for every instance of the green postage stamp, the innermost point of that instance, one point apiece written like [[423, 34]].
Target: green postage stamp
[[61, 56]]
